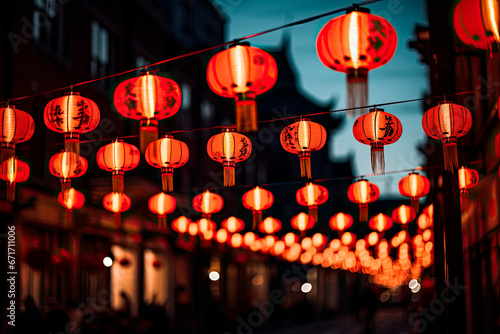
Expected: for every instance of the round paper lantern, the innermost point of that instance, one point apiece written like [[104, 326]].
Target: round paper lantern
[[303, 137], [16, 126], [167, 153], [377, 128], [270, 225], [467, 178], [414, 186], [118, 157], [372, 238], [257, 199], [66, 166], [205, 225], [424, 221], [72, 115], [403, 215], [71, 199], [116, 203], [348, 238], [148, 98], [356, 43], [233, 224], [181, 224], [341, 221], [242, 72], [363, 192], [236, 240], [290, 238], [221, 236], [311, 196], [13, 171], [380, 223], [208, 203], [162, 204], [447, 122], [228, 148], [302, 222]]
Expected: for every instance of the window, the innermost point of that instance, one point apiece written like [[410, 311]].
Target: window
[[99, 59], [48, 25]]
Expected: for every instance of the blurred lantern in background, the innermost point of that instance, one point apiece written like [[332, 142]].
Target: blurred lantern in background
[[311, 196], [372, 238], [380, 223], [208, 203], [167, 153], [270, 225], [118, 157], [148, 98], [66, 166], [242, 72], [424, 221], [13, 171], [414, 186], [303, 222], [447, 122], [116, 203], [257, 199], [228, 148], [341, 222], [363, 192], [356, 43], [16, 126], [162, 204], [403, 215], [71, 199], [348, 239], [377, 128], [181, 224], [303, 137], [233, 224], [205, 225], [221, 236], [467, 178]]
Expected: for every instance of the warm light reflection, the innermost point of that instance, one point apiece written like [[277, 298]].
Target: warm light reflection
[[148, 95], [239, 63], [303, 135], [354, 39]]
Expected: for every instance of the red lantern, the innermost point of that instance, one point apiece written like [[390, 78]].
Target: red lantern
[[228, 148], [311, 196], [270, 225], [380, 223], [403, 215], [377, 128], [208, 203], [221, 236], [414, 186], [303, 222], [356, 43], [447, 122], [467, 179], [118, 157], [363, 192], [72, 115], [162, 204], [16, 126], [66, 165], [13, 171], [242, 72], [348, 238], [372, 238], [205, 225], [148, 98], [167, 153], [341, 221], [303, 137], [257, 199], [424, 221], [71, 200], [116, 203], [181, 224], [233, 224]]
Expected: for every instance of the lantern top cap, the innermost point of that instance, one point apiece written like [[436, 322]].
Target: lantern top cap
[[229, 128], [167, 135], [148, 71], [71, 92], [357, 8], [376, 109], [237, 42], [300, 119]]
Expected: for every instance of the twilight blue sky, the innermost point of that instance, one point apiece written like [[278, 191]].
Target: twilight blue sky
[[402, 78]]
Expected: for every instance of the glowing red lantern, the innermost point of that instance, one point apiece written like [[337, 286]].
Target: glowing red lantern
[[205, 225], [167, 153], [236, 240], [403, 215], [348, 238], [447, 122], [72, 115], [414, 186], [118, 157], [221, 236], [363, 192], [208, 203], [228, 148], [311, 196], [181, 224], [424, 221], [66, 166], [341, 221], [162, 204], [270, 225], [233, 224], [16, 126], [71, 199], [356, 43], [242, 72], [467, 178], [380, 223], [13, 171], [117, 203], [303, 137], [372, 238], [257, 199], [377, 128], [302, 222], [148, 98]]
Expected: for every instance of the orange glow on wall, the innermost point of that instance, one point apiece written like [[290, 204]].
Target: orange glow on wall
[[270, 225], [311, 196], [181, 224], [162, 204], [414, 186], [233, 224], [208, 203], [341, 221], [380, 222], [13, 171], [257, 199], [16, 126], [363, 192]]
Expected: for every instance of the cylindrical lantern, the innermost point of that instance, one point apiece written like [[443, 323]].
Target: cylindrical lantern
[[181, 224], [341, 221], [13, 171], [414, 186], [447, 122], [233, 224], [167, 153], [242, 72], [377, 128], [257, 199], [467, 178], [363, 192], [66, 165], [148, 98], [311, 196], [228, 148], [380, 223], [208, 203], [303, 137], [403, 215], [302, 222], [270, 225], [72, 115], [117, 203], [118, 157], [162, 204], [356, 43], [16, 126]]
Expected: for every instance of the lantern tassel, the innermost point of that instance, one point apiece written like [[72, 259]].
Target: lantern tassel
[[464, 201], [257, 218], [357, 91], [118, 185], [11, 192], [363, 213], [450, 155], [305, 164], [167, 179], [7, 152], [68, 218], [148, 134], [378, 161], [72, 144], [414, 203], [229, 175], [313, 211], [118, 219], [162, 222], [65, 185], [246, 113]]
